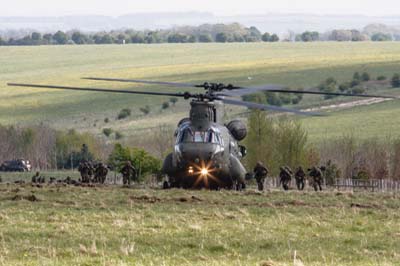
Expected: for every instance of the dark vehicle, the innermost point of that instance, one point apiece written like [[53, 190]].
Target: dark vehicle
[[207, 152], [16, 166]]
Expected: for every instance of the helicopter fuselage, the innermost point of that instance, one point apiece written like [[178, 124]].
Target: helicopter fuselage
[[205, 153]]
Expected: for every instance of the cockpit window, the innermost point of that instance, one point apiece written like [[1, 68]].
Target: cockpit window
[[209, 136]]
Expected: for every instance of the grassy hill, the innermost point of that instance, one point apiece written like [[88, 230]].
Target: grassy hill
[[292, 64]]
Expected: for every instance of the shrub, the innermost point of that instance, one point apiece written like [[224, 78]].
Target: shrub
[[381, 77], [165, 105], [118, 135], [106, 120], [365, 76], [145, 110], [344, 86], [107, 131], [124, 113], [396, 81]]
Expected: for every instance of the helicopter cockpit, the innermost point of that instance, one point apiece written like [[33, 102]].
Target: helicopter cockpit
[[211, 135]]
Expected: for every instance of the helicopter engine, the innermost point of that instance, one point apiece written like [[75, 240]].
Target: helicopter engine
[[238, 129]]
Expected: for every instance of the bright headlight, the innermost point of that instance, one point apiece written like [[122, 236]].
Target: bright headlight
[[204, 171]]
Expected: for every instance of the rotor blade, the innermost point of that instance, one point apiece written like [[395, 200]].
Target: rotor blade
[[175, 84], [265, 107], [278, 88], [186, 95], [241, 91]]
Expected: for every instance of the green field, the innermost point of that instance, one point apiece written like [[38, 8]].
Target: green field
[[59, 225], [292, 64]]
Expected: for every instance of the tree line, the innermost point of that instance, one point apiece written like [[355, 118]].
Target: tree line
[[205, 33]]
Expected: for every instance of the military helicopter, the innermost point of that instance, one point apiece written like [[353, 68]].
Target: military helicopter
[[207, 152]]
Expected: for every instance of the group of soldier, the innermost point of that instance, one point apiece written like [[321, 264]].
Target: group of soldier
[[286, 174], [93, 173], [98, 173]]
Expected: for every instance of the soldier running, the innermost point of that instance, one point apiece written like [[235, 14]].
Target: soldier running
[[300, 178], [100, 173], [285, 177], [316, 175], [260, 173], [128, 172]]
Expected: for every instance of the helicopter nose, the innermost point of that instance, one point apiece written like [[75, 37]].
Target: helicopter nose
[[198, 153]]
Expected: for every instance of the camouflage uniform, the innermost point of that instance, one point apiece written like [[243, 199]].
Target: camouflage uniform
[[84, 170], [36, 178], [128, 172], [316, 174], [100, 173], [91, 171], [285, 177], [260, 173], [300, 178]]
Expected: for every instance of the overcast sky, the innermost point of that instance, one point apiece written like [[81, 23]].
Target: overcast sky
[[219, 7]]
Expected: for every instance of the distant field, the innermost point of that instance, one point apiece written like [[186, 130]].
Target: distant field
[[60, 226], [292, 64]]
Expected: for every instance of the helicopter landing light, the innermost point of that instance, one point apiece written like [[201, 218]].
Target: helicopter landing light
[[190, 171], [204, 171]]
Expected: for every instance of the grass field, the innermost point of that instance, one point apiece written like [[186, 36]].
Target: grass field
[[293, 64], [120, 226]]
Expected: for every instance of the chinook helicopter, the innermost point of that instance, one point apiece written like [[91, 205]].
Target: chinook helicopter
[[207, 152]]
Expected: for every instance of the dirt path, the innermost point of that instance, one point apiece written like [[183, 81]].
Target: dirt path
[[347, 105]]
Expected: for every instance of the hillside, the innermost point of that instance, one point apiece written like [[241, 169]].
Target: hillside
[[292, 64]]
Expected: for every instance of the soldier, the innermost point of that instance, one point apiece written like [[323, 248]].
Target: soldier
[[36, 178], [316, 175], [84, 170], [300, 178], [285, 177], [100, 173], [260, 173], [128, 172], [91, 172]]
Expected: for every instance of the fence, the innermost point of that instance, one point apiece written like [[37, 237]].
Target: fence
[[349, 184]]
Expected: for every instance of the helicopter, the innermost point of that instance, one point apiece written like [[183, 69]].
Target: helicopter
[[207, 151]]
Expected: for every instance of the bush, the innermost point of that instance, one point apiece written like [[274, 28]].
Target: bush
[[355, 82], [365, 76], [124, 113], [381, 77], [358, 90], [118, 135], [396, 81], [145, 110], [107, 131], [344, 86], [106, 120], [165, 105]]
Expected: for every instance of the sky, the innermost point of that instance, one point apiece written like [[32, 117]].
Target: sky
[[218, 7]]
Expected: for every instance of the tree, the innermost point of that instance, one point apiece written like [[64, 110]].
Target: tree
[[329, 85], [137, 38], [221, 37], [365, 76], [79, 38], [309, 36], [107, 39], [48, 38], [205, 38], [2, 42], [36, 37], [356, 76], [60, 37], [173, 100], [274, 38], [381, 37], [266, 37], [107, 131], [395, 81]]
